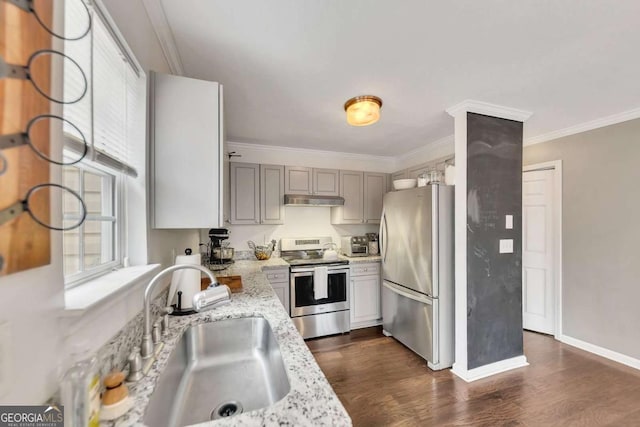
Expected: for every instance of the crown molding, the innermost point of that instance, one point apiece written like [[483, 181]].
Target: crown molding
[[449, 139], [159, 22], [280, 148], [584, 127], [480, 107]]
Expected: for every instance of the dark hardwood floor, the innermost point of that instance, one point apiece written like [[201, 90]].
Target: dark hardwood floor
[[382, 383]]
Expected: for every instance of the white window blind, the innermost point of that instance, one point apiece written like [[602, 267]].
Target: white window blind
[[107, 117]]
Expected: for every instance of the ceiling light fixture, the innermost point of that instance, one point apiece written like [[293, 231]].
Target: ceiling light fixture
[[363, 110]]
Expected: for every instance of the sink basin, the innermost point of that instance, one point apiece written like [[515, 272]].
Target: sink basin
[[217, 370]]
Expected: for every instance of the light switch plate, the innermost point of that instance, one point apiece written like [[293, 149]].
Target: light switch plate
[[508, 222], [506, 246]]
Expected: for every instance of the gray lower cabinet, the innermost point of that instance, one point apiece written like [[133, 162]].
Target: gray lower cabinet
[[245, 193], [256, 194], [365, 306], [271, 194], [279, 280]]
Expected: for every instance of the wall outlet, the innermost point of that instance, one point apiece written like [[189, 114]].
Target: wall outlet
[[508, 222], [506, 246], [6, 358]]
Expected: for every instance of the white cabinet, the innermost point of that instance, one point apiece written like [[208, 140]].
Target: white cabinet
[[245, 193], [186, 156], [302, 180], [271, 194], [365, 307], [325, 182], [257, 194], [279, 280], [375, 185]]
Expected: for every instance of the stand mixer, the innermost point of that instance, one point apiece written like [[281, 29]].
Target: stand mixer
[[219, 253]]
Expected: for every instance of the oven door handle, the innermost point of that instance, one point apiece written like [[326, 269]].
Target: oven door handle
[[301, 273]]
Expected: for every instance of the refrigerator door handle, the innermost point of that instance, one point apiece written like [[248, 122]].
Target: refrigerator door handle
[[398, 290], [383, 236]]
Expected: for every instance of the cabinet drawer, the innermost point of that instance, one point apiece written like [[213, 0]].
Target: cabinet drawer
[[278, 276], [365, 269]]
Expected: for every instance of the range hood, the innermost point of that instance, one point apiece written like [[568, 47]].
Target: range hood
[[312, 200]]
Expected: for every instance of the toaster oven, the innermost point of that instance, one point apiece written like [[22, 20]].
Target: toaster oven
[[355, 246]]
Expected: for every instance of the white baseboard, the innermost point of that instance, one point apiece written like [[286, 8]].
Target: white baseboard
[[490, 369], [601, 351], [367, 324]]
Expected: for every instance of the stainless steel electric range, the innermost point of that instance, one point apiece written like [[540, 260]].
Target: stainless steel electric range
[[319, 287]]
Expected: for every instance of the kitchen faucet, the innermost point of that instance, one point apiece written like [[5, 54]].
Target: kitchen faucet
[[146, 347]]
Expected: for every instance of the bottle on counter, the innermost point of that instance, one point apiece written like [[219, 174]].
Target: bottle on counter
[[80, 390]]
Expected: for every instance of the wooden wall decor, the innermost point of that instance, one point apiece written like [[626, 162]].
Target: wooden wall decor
[[24, 244]]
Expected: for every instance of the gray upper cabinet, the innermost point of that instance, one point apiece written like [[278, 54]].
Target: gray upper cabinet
[[256, 194], [186, 171], [375, 185], [245, 193], [325, 182], [271, 194], [298, 180], [352, 189]]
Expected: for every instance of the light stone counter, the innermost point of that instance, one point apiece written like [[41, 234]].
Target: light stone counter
[[311, 400], [362, 259]]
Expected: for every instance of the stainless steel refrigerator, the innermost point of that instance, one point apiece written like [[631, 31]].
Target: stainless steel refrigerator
[[416, 245]]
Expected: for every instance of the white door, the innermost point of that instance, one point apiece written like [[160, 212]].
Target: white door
[[538, 276]]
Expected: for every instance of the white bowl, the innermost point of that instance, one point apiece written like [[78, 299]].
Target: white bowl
[[404, 184]]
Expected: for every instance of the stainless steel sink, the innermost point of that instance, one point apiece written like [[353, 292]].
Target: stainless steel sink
[[219, 369]]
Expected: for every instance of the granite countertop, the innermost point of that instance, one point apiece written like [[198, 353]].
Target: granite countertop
[[362, 259], [311, 400]]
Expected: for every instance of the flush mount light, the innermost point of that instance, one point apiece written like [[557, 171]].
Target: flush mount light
[[363, 110]]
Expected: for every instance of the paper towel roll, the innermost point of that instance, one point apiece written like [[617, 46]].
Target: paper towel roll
[[185, 280]]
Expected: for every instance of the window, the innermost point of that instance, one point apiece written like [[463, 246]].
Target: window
[[93, 247], [110, 121]]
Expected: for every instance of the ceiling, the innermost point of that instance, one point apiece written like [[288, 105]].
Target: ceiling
[[288, 66]]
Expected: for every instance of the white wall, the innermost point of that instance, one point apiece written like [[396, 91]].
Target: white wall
[[299, 222]]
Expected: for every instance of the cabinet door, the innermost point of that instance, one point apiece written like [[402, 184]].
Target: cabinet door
[[271, 194], [245, 193], [375, 185], [282, 291], [325, 182], [186, 172], [298, 180], [365, 298], [352, 189]]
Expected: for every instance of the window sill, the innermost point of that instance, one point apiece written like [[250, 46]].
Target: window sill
[[90, 294]]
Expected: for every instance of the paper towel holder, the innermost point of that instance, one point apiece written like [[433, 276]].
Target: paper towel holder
[[177, 308]]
